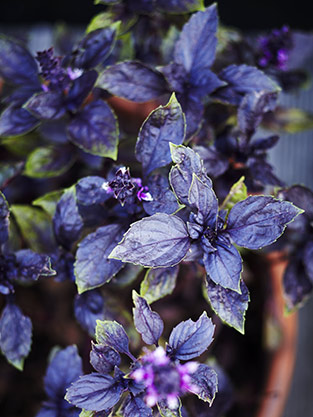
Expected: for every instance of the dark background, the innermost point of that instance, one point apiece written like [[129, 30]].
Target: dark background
[[244, 14]]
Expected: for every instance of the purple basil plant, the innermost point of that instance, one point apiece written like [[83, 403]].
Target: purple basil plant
[[107, 210]]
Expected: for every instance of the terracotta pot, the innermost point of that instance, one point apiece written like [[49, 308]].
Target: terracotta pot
[[281, 337]]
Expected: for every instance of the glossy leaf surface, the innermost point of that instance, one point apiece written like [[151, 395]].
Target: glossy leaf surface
[[92, 266], [189, 339], [158, 241]]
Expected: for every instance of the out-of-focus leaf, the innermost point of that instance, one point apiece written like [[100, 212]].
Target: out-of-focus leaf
[[48, 202], [16, 121], [17, 65], [15, 335], [95, 130], [90, 307], [46, 162], [134, 81], [229, 305], [67, 222], [35, 227], [112, 334], [238, 192], [158, 283], [4, 219], [94, 47], [288, 120]]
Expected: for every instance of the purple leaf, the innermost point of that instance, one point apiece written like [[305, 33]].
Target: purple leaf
[[15, 335], [95, 130], [258, 221], [17, 65], [94, 392], [189, 339], [202, 198], [188, 162], [195, 49], [147, 322], [92, 266], [308, 259], [297, 285], [80, 89], [58, 377], [67, 222], [135, 407], [32, 265], [252, 109], [4, 219], [88, 308], [164, 200], [193, 110], [94, 48], [47, 105], [214, 162], [103, 358], [158, 283], [158, 241], [241, 80], [16, 121], [164, 125], [205, 378], [112, 334], [134, 81], [48, 161], [89, 191], [301, 196], [224, 265], [229, 305]]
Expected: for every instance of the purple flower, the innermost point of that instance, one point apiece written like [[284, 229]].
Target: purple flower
[[52, 70], [274, 49], [164, 379], [124, 187]]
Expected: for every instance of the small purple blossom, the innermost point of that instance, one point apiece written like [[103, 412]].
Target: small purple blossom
[[124, 187], [52, 70], [164, 379], [275, 48]]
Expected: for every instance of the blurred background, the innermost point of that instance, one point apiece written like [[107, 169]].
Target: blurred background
[[293, 156]]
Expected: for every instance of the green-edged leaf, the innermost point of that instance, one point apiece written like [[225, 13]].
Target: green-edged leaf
[[166, 411], [112, 334], [35, 226], [238, 192], [205, 378], [158, 283], [288, 120], [95, 130], [164, 125], [147, 322], [46, 162], [229, 305], [48, 202], [15, 335]]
